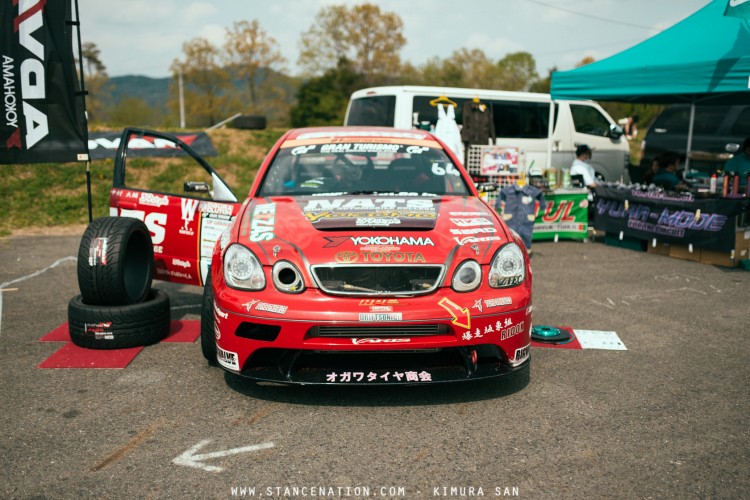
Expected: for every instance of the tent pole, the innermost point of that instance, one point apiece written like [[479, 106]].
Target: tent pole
[[690, 136], [550, 130]]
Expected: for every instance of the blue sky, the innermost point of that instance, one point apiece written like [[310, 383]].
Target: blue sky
[[143, 36]]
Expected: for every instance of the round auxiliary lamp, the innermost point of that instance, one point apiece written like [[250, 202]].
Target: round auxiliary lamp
[[551, 335]]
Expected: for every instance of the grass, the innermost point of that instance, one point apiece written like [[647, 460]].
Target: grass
[[54, 194]]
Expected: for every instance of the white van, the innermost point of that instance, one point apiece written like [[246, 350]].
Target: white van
[[521, 119]]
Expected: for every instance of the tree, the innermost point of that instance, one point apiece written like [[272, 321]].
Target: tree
[[322, 100], [132, 111], [248, 49], [206, 83], [370, 39], [517, 71], [95, 81]]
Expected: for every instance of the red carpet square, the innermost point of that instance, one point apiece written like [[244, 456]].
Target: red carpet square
[[72, 356], [573, 344], [186, 330], [59, 334]]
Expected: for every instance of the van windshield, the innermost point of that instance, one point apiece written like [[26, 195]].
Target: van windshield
[[373, 110]]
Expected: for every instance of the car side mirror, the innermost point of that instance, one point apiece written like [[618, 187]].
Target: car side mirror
[[486, 187], [615, 132], [197, 187], [732, 147]]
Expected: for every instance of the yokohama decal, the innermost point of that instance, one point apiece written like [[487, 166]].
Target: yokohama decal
[[42, 110]]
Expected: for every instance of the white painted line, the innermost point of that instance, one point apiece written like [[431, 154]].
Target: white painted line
[[29, 276], [191, 459]]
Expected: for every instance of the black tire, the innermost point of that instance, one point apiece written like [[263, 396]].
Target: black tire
[[115, 262], [208, 322], [249, 122], [119, 327]]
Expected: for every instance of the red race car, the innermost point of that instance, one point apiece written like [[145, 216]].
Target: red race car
[[363, 255]]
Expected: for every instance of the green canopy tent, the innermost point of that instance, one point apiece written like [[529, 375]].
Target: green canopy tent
[[703, 59]]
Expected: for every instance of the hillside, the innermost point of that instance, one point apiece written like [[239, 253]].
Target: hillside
[[49, 195]]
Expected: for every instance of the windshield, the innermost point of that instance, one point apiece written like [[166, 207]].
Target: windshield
[[382, 167]]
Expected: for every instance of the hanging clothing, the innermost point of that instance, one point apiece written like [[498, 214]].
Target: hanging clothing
[[447, 130], [478, 123], [519, 206]]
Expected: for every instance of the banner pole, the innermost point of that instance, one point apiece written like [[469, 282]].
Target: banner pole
[[88, 189]]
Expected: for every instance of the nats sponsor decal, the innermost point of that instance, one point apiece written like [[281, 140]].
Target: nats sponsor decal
[[379, 317], [395, 377], [385, 211], [263, 222]]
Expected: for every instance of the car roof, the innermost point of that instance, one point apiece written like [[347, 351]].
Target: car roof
[[356, 133]]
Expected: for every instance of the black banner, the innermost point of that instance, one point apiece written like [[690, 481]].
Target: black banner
[[104, 145], [708, 223], [43, 117]]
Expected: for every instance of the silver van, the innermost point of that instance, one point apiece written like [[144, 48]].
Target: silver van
[[521, 119]]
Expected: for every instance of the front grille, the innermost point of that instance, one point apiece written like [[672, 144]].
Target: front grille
[[369, 280], [379, 331]]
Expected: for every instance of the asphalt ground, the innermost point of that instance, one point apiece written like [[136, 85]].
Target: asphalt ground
[[668, 418]]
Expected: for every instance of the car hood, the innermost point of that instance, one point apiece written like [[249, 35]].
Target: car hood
[[371, 229]]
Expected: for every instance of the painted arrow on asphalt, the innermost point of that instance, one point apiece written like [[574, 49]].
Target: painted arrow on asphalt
[[192, 459]]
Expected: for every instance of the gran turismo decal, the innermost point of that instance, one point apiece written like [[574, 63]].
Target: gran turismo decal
[[397, 377], [263, 222], [359, 148]]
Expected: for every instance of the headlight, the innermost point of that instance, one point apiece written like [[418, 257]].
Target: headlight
[[242, 269], [467, 277], [287, 278], [507, 268]]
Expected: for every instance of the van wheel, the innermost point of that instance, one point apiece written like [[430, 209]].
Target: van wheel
[[208, 323], [119, 327], [115, 262]]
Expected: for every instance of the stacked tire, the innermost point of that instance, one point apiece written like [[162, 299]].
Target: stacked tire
[[117, 307]]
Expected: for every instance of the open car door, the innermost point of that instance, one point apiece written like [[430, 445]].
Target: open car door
[[186, 208]]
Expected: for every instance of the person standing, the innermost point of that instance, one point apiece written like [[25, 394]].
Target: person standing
[[740, 163], [582, 167], [666, 177]]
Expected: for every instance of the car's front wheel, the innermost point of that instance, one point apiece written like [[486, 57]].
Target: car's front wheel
[[208, 335]]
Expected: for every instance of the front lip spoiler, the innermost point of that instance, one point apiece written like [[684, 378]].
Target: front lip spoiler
[[302, 367]]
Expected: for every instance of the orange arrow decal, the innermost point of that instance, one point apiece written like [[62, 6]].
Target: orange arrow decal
[[455, 310]]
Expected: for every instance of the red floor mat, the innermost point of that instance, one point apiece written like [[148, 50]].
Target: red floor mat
[[72, 356]]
